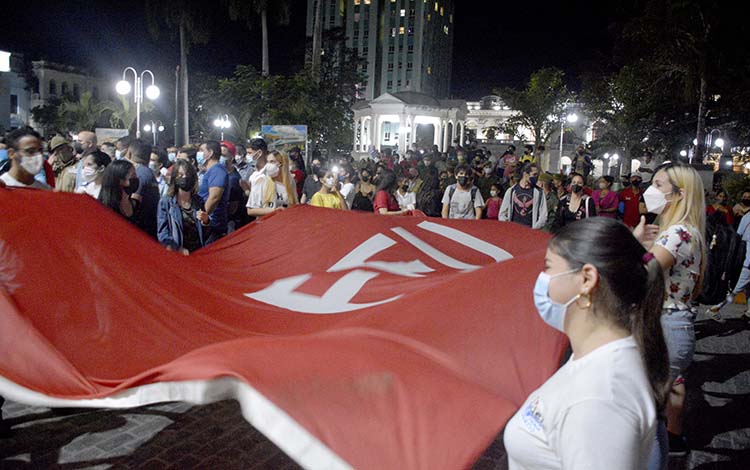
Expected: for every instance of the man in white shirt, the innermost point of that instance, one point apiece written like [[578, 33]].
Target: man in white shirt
[[462, 200], [646, 170], [25, 154]]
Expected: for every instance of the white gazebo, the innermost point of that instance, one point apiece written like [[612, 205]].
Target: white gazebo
[[397, 120]]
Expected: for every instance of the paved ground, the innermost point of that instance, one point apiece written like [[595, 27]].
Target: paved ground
[[179, 435]]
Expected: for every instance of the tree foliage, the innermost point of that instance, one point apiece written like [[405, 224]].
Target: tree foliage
[[540, 106]]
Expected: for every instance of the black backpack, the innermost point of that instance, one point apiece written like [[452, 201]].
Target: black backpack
[[726, 253]]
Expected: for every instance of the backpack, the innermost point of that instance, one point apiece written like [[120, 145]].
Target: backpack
[[726, 253], [362, 203]]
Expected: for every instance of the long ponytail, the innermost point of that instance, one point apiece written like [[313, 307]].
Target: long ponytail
[[645, 323]]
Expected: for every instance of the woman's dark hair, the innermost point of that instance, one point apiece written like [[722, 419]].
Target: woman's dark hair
[[190, 173], [387, 181], [100, 158], [111, 192], [630, 292], [608, 179]]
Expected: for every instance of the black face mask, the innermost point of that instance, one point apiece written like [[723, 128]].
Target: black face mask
[[129, 190], [365, 178], [184, 183], [576, 188], [626, 184], [746, 202], [405, 187], [636, 184], [78, 147], [411, 177], [463, 180]]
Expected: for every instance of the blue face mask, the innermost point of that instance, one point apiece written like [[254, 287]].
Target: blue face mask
[[172, 156], [3, 154], [223, 161], [551, 312], [201, 157]]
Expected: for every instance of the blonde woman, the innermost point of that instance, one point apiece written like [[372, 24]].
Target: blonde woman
[[676, 195], [275, 190]]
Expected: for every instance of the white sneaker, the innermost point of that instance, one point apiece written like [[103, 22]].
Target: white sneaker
[[714, 313]]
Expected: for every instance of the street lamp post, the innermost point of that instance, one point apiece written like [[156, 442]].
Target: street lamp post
[[123, 87], [155, 128], [571, 118], [222, 122]]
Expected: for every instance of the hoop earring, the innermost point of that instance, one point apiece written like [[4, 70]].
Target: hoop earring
[[584, 307]]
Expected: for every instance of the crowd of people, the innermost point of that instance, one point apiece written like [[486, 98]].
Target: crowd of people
[[622, 271]]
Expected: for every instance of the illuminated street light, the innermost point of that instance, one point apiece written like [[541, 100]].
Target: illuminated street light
[[571, 118], [155, 128], [720, 143], [683, 153], [123, 87], [222, 122]]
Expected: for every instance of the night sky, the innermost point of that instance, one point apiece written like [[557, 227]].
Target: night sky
[[496, 43]]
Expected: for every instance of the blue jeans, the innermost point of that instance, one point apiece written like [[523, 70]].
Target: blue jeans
[[679, 335]]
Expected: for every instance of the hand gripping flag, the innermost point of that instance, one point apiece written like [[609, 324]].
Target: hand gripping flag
[[351, 340]]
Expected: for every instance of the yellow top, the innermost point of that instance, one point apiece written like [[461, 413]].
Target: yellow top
[[330, 201]]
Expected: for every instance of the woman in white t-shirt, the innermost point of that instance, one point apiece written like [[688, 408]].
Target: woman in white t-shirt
[[274, 190], [92, 173], [599, 411], [677, 195], [406, 199]]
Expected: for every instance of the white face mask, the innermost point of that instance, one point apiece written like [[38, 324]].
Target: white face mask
[[655, 200], [153, 166], [89, 173], [118, 155], [493, 193], [329, 182], [487, 171], [272, 169], [551, 312], [32, 164]]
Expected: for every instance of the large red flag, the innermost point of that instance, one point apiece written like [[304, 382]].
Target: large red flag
[[349, 339]]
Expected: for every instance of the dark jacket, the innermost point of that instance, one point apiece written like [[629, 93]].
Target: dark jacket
[[169, 222]]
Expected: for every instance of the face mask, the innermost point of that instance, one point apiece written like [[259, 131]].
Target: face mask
[[78, 147], [89, 173], [635, 184], [487, 171], [405, 187], [223, 161], [411, 177], [746, 202], [153, 166], [626, 184], [238, 159], [463, 180], [3, 154], [171, 156], [365, 178], [329, 182], [576, 188], [183, 183], [32, 164], [201, 157], [118, 155], [533, 180], [493, 193], [655, 200], [272, 169], [551, 312], [129, 190], [427, 162]]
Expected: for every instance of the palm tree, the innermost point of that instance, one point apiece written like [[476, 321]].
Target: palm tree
[[82, 114], [246, 10], [191, 19], [122, 112]]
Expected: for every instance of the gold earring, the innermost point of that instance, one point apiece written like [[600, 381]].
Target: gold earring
[[588, 297]]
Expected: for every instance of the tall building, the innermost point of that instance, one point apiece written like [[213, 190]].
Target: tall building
[[407, 44]]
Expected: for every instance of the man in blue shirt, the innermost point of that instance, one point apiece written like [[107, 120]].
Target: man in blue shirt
[[214, 189]]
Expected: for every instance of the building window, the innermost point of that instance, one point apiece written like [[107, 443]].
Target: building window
[[357, 2], [13, 104], [442, 11], [356, 17], [367, 2], [437, 7], [409, 66], [387, 125], [450, 18], [412, 13], [391, 49], [64, 88], [393, 32], [365, 50], [445, 29], [411, 31], [403, 12], [401, 30], [400, 65], [390, 66], [398, 83], [52, 87], [429, 16], [429, 70], [411, 47]]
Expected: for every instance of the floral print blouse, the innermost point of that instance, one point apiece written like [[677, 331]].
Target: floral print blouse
[[684, 244]]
